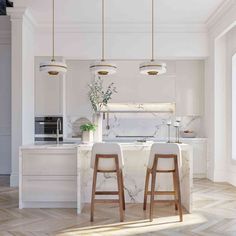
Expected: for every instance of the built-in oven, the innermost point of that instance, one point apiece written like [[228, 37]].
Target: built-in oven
[[48, 128]]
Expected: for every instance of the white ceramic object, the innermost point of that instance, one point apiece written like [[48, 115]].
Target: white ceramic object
[[191, 134], [87, 136]]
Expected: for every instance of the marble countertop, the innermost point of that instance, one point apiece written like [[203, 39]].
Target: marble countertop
[[50, 146], [81, 146]]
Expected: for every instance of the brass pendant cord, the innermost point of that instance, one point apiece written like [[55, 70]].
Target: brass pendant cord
[[103, 40], [152, 30], [53, 36]]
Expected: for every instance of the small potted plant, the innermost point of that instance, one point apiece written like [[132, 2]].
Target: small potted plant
[[87, 132]]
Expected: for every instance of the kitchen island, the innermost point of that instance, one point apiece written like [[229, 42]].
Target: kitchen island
[[60, 175]]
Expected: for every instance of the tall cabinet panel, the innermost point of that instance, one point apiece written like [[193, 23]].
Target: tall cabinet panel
[[189, 88], [48, 92]]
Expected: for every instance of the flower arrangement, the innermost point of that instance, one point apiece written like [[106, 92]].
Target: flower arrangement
[[98, 96]]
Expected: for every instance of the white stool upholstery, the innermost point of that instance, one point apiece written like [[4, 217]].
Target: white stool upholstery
[[164, 148], [107, 149]]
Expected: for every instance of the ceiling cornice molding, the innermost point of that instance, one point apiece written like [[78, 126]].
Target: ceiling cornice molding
[[16, 13], [20, 13], [125, 27], [221, 10]]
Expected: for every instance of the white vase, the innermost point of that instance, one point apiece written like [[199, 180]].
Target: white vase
[[97, 120], [87, 136]]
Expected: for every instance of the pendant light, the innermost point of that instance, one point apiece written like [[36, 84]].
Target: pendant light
[[152, 67], [103, 67], [53, 67]]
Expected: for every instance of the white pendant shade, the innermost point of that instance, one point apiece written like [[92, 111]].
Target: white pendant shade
[[53, 68], [103, 68], [152, 68]]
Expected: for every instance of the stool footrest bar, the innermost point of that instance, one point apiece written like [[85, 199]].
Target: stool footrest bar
[[106, 193], [162, 193], [164, 201], [106, 200]]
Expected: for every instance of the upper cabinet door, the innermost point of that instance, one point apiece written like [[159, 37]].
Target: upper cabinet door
[[189, 88], [48, 92]]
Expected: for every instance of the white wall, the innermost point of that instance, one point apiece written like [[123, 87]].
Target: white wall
[[216, 97], [84, 42], [5, 95], [231, 91]]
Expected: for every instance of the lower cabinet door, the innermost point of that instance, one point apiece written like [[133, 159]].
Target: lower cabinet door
[[49, 188]]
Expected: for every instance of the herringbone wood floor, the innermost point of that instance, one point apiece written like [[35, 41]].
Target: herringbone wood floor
[[214, 214]]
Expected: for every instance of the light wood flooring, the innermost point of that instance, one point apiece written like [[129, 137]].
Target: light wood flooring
[[214, 214]]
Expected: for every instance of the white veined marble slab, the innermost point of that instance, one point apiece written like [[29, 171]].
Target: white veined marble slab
[[136, 158]]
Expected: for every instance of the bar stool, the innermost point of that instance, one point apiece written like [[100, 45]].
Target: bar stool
[[163, 159], [108, 158]]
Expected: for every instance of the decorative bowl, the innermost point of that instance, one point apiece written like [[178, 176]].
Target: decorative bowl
[[188, 134]]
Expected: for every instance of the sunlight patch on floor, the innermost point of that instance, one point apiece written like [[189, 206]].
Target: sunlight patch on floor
[[137, 227]]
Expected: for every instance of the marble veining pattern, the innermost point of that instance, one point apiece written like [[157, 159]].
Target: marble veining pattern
[[128, 124], [136, 159]]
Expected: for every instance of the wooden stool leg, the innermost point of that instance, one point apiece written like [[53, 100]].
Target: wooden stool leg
[[146, 190], [178, 190], [175, 190], [123, 189], [152, 193], [93, 189], [120, 195]]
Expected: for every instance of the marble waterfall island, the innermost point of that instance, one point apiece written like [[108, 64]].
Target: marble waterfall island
[[59, 176], [135, 158]]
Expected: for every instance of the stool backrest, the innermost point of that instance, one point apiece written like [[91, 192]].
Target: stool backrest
[[107, 164], [164, 149]]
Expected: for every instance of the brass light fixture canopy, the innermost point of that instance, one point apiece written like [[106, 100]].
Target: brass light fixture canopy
[[152, 67], [103, 67], [53, 67]]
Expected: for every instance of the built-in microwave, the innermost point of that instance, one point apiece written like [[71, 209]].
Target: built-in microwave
[[48, 128]]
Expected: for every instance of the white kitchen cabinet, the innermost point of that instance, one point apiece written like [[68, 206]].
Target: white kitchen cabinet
[[189, 88], [49, 189], [183, 83], [199, 156], [48, 92], [48, 177]]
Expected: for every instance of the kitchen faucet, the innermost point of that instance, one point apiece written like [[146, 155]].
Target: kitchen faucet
[[58, 130]]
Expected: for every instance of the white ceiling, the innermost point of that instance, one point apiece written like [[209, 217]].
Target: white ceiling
[[132, 11]]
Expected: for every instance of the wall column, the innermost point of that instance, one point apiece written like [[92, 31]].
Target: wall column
[[22, 85]]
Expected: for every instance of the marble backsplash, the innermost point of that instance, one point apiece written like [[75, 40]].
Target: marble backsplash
[[128, 125]]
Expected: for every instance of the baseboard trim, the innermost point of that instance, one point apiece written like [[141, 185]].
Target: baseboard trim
[[232, 178], [47, 205], [199, 176], [220, 176], [14, 180]]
